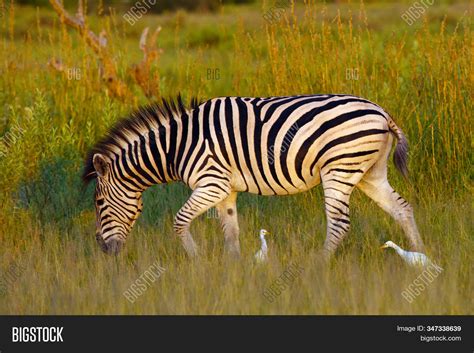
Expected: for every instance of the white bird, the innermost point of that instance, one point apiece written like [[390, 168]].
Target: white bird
[[262, 254], [414, 259]]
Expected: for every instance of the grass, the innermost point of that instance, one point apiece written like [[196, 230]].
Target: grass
[[422, 74]]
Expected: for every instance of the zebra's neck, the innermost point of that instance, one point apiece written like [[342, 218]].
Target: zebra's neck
[[147, 158]]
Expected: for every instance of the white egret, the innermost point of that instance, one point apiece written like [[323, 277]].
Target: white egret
[[262, 254], [414, 259]]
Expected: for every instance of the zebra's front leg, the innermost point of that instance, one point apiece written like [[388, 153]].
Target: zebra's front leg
[[227, 210], [199, 202]]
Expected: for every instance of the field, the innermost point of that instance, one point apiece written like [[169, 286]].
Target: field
[[421, 73]]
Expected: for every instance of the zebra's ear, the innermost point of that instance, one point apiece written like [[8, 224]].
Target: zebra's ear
[[100, 164]]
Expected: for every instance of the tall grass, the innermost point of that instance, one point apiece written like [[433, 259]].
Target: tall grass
[[422, 74]]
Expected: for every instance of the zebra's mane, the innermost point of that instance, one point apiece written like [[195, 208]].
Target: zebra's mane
[[144, 117]]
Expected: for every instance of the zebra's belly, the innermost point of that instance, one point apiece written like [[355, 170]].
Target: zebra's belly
[[248, 183]]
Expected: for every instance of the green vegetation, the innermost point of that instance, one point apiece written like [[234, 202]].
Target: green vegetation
[[422, 74]]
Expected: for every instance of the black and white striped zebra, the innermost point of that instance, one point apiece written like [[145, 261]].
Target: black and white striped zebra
[[267, 146]]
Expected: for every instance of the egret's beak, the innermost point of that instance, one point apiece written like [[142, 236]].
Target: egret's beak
[[384, 246]]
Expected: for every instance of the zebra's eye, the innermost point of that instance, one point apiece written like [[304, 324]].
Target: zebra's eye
[[100, 202]]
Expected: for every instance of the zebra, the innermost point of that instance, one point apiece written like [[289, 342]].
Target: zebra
[[267, 146]]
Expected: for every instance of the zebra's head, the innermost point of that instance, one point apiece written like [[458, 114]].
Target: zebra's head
[[122, 173], [117, 208]]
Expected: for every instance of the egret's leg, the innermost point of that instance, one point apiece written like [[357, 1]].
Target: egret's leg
[[227, 210]]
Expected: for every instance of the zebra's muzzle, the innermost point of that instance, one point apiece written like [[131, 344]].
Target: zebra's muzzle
[[112, 246], [101, 242]]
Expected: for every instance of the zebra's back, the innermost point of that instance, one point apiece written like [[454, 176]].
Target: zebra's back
[[278, 145]]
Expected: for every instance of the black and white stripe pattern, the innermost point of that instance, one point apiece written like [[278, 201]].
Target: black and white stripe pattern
[[267, 146]]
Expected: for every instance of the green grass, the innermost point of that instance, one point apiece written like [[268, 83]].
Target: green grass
[[422, 74]]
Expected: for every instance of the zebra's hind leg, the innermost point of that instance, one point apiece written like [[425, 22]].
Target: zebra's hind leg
[[376, 186], [338, 187], [199, 202], [338, 183], [227, 210]]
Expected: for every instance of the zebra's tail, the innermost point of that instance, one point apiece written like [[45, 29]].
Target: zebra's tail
[[400, 156]]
